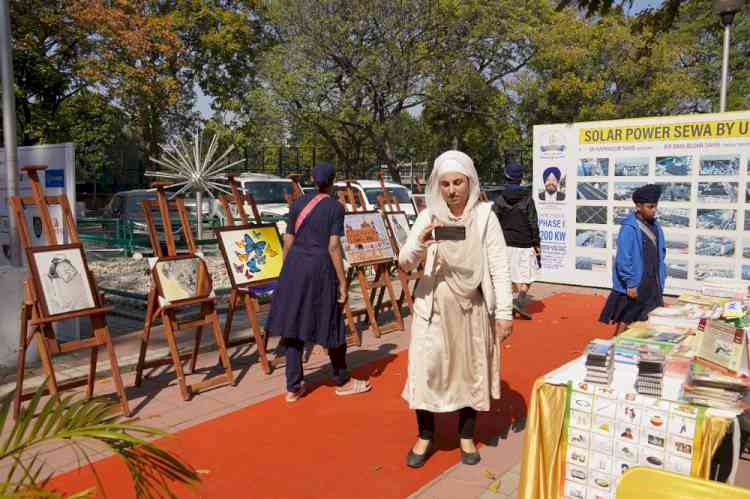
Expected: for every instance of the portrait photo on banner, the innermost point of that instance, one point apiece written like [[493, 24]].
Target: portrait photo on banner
[[61, 278], [366, 239], [181, 278], [252, 253], [400, 226]]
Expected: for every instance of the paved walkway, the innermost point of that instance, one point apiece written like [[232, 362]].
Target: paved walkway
[[158, 402]]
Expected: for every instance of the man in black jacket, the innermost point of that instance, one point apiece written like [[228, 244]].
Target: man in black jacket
[[516, 212]]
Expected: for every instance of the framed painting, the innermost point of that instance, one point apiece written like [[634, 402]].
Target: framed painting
[[399, 226], [366, 239], [62, 279], [253, 254], [181, 277]]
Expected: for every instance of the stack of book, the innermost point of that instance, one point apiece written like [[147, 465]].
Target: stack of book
[[629, 343], [710, 387], [650, 371], [600, 362]]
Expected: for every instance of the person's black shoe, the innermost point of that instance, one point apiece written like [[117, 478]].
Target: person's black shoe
[[414, 460], [470, 458]]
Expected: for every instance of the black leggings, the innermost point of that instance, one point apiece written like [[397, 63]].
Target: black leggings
[[467, 418]]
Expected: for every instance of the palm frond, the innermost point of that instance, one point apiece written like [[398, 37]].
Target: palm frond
[[73, 421]]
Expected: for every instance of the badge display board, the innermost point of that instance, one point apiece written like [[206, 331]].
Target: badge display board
[[607, 433]]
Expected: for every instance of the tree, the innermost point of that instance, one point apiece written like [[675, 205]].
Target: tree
[[140, 62], [48, 49], [349, 69], [585, 70]]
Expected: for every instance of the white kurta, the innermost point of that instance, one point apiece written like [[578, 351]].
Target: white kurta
[[454, 360]]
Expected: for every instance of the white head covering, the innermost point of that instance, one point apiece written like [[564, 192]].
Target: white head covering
[[461, 261], [451, 162]]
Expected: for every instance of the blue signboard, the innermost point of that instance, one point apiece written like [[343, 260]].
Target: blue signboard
[[54, 178]]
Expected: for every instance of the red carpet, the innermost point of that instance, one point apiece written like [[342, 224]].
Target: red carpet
[[329, 446]]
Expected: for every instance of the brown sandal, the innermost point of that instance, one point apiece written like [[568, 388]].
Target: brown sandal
[[354, 387]]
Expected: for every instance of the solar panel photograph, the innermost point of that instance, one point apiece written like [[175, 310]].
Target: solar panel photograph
[[746, 272], [747, 193], [714, 246], [705, 271], [591, 214], [678, 192], [746, 248], [714, 219], [673, 217], [591, 167], [619, 215], [592, 191], [717, 192], [591, 238], [674, 166], [677, 244], [631, 167], [676, 269], [624, 190], [747, 219], [589, 263], [720, 165]]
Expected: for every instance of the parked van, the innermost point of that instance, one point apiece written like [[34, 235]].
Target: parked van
[[371, 189]]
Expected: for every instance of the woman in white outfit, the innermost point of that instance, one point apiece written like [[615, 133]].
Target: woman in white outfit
[[454, 355]]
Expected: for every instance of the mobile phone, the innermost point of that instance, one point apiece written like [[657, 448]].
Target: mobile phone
[[450, 233]]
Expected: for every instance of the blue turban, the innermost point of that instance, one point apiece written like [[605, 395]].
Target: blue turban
[[323, 173], [647, 194], [552, 170], [514, 172]]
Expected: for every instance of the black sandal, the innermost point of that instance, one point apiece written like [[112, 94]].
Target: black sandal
[[414, 460]]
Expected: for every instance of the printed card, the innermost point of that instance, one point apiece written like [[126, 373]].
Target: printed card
[[677, 464], [655, 440], [651, 457], [604, 426], [601, 463], [655, 420], [580, 420], [628, 432], [576, 474], [581, 401], [577, 456], [627, 451], [630, 412], [602, 444], [579, 438], [682, 426], [574, 490], [682, 447], [605, 407]]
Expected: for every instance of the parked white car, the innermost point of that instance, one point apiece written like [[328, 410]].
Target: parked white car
[[371, 189], [269, 192]]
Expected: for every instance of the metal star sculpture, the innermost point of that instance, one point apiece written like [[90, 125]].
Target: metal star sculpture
[[191, 170]]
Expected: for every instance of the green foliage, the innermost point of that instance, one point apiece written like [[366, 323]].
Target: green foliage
[[74, 422]]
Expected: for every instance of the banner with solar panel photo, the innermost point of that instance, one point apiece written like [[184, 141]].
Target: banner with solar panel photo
[[585, 175]]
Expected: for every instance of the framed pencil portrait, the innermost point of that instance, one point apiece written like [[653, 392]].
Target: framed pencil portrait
[[253, 254], [61, 279], [181, 277]]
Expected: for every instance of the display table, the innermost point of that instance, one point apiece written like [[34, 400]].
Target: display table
[[544, 458]]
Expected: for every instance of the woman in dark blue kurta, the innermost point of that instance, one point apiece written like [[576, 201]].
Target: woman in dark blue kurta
[[307, 303]]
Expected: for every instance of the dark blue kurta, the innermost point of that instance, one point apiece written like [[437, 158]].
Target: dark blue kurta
[[305, 305]]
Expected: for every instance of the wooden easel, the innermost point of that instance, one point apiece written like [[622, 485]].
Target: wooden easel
[[168, 312], [33, 314], [246, 295], [353, 198], [388, 204]]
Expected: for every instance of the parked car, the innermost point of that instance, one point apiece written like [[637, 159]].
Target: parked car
[[270, 193], [127, 208], [371, 189]]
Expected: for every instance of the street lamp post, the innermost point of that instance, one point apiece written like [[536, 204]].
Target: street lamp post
[[726, 9]]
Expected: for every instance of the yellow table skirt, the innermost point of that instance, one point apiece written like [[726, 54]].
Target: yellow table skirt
[[544, 457]]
